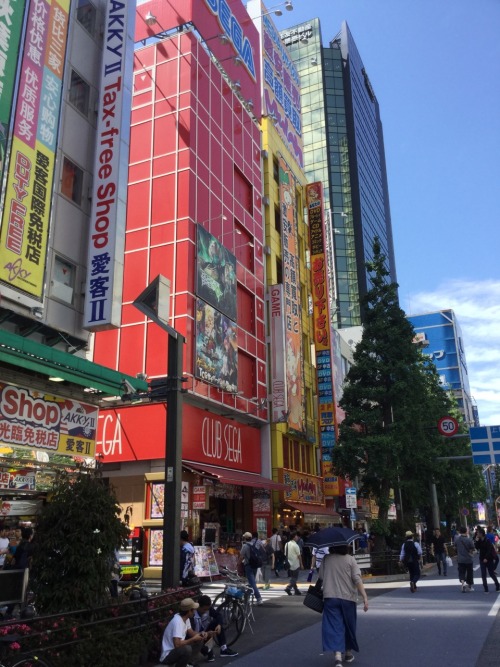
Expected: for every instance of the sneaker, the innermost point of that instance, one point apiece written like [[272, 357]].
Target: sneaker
[[210, 656], [227, 653], [259, 602], [413, 588], [297, 592], [464, 586], [486, 592], [471, 589], [348, 657], [288, 591]]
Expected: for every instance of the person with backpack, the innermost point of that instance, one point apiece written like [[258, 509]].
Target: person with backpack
[[411, 553], [251, 560], [294, 557]]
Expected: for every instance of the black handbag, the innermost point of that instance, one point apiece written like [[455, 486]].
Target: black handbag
[[314, 597]]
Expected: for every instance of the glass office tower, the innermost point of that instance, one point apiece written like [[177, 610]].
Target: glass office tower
[[344, 149]]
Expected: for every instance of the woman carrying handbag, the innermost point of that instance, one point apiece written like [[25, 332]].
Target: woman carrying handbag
[[341, 579]]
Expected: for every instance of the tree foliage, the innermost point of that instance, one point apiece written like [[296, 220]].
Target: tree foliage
[[393, 400], [77, 533]]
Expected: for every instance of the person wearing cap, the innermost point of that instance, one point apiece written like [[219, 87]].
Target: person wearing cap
[[250, 572], [411, 553], [181, 644]]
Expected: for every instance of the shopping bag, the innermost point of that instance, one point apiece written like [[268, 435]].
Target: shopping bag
[[449, 562], [258, 577], [314, 597], [310, 576]]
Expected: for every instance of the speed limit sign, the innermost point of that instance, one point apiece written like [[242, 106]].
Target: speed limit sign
[[447, 426]]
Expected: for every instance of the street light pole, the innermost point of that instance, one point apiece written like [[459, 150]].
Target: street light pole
[[170, 573]]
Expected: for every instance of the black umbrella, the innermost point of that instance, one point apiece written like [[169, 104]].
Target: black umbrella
[[332, 537]]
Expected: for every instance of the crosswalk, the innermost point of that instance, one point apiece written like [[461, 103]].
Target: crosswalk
[[275, 592]]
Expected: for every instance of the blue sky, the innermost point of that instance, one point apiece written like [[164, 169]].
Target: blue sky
[[435, 69]]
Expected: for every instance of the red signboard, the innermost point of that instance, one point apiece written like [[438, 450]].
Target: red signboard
[[137, 432], [237, 49]]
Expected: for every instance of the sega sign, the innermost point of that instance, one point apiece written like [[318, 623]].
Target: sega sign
[[234, 32]]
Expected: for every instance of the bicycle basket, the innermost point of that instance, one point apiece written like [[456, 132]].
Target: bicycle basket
[[234, 592]]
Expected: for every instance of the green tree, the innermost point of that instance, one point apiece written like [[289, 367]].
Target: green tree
[[76, 535], [392, 399]]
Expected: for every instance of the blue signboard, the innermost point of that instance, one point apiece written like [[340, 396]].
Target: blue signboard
[[485, 443]]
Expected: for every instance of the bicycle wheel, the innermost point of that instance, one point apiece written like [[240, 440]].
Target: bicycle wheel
[[219, 599], [233, 618], [31, 661]]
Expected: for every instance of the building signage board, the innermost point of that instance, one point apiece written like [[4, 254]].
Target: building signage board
[[137, 433], [278, 379], [302, 488], [294, 361], [26, 213], [485, 444], [322, 334], [32, 419], [11, 23], [19, 479], [107, 232], [280, 82]]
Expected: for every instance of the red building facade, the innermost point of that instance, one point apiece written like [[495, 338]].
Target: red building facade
[[195, 184]]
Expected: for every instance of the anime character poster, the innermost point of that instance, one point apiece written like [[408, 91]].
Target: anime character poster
[[294, 359], [216, 348], [216, 275]]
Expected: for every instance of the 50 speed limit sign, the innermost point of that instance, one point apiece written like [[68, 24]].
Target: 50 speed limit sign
[[447, 426]]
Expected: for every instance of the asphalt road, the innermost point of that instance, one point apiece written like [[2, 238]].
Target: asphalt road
[[438, 625]]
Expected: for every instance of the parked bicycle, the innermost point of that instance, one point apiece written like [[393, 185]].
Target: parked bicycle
[[22, 660], [235, 605]]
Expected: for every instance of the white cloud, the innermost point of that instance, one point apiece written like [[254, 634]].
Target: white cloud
[[477, 309]]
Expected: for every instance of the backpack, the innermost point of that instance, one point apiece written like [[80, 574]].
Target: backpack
[[255, 559], [411, 553]]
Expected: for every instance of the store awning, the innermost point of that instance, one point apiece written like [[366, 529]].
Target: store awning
[[226, 476], [28, 354], [316, 510]]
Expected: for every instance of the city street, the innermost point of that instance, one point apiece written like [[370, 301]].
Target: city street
[[438, 623]]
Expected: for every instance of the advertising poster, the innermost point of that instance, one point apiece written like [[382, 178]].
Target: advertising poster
[[216, 348], [157, 500], [155, 547], [30, 418], [23, 479], [216, 274], [26, 215], [293, 314], [11, 23], [205, 563]]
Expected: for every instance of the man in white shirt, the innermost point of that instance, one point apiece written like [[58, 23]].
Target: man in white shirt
[[318, 553], [181, 644], [292, 553], [4, 545]]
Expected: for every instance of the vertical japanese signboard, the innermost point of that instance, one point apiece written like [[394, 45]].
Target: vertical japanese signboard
[[25, 222], [278, 379], [291, 282], [107, 233], [11, 23], [322, 334]]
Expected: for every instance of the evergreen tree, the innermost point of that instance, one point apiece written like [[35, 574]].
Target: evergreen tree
[[393, 400], [76, 536]]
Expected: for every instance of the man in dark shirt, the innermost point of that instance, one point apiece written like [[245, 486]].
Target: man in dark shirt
[[439, 551]]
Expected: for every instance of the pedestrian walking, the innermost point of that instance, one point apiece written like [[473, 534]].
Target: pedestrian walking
[[292, 553], [267, 563], [465, 551], [411, 553], [493, 538], [248, 554], [439, 551], [341, 581], [487, 555], [275, 541]]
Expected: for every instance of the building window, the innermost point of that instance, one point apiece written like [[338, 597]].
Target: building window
[[276, 170], [86, 15], [79, 93], [72, 181], [63, 280]]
